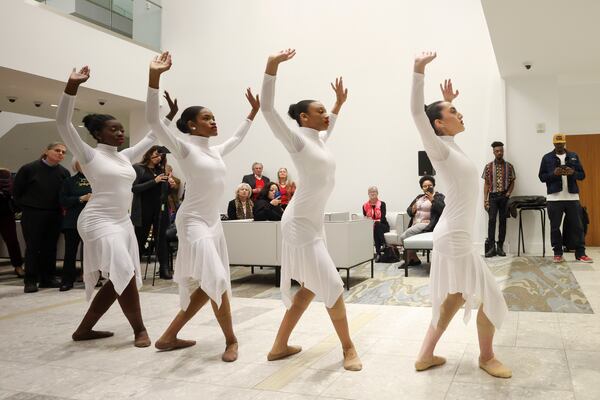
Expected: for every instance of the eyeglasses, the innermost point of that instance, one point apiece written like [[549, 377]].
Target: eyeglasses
[[60, 151]]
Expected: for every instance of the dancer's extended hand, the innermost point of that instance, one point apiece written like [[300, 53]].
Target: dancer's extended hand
[[277, 58], [158, 65], [161, 63], [77, 78], [341, 93], [423, 59], [447, 91], [173, 108], [254, 103]]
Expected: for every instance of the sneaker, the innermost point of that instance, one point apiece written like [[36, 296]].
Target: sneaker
[[558, 259], [585, 259]]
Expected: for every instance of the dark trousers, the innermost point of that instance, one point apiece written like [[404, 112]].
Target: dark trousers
[[72, 240], [498, 210], [378, 235], [8, 231], [150, 219], [41, 229], [571, 208]]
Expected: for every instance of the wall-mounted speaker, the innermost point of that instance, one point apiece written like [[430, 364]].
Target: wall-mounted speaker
[[425, 167]]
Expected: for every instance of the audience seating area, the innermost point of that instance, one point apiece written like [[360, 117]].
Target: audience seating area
[[349, 241]]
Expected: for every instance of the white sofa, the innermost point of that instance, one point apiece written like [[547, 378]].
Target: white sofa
[[258, 244]]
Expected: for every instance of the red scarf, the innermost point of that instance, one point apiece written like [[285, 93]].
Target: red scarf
[[373, 213]]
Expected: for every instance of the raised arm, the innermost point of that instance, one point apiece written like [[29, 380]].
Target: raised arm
[[64, 115], [167, 137], [290, 139], [241, 132], [341, 94], [434, 146]]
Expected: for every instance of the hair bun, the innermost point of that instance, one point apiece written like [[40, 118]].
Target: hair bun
[[182, 126], [87, 120], [293, 111]]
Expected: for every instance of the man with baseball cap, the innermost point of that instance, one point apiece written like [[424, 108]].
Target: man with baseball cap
[[560, 170]]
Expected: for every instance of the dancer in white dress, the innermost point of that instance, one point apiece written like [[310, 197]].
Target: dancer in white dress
[[104, 224], [458, 273], [304, 256], [202, 256]]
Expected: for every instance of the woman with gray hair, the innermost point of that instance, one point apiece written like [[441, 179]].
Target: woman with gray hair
[[375, 209], [241, 206]]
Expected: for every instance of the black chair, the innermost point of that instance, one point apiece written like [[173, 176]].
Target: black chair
[[541, 208]]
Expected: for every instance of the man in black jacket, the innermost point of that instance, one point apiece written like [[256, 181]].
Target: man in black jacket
[[560, 170], [36, 190], [256, 180], [424, 212]]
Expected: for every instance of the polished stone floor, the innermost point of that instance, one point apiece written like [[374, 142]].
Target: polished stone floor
[[553, 355]]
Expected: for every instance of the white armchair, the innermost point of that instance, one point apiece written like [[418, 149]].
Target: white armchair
[[398, 221]]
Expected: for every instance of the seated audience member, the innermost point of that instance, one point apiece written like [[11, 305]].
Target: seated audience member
[[256, 179], [74, 195], [424, 211], [287, 187], [8, 227], [268, 205], [241, 207], [375, 209]]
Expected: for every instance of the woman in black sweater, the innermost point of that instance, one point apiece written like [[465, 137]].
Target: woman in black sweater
[[36, 189], [150, 192], [268, 205]]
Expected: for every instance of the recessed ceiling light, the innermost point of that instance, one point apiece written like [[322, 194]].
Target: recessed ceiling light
[[54, 105]]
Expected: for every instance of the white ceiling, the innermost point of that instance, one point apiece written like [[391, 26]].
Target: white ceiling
[[558, 37], [29, 88]]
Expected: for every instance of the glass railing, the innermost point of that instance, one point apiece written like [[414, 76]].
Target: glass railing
[[139, 20]]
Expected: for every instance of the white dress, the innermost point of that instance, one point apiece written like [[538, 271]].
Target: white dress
[[109, 241], [202, 255], [456, 266], [304, 255]]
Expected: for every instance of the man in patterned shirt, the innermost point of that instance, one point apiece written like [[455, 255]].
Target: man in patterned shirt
[[499, 176]]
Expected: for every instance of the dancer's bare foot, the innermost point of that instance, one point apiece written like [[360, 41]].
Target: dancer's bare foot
[[231, 353], [91, 335], [288, 351], [142, 339], [168, 345], [351, 360], [434, 361], [495, 368]]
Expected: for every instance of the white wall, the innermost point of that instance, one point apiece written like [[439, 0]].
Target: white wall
[[50, 44], [223, 49], [530, 101]]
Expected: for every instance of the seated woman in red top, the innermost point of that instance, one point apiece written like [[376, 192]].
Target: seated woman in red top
[[268, 205], [287, 187], [375, 209]]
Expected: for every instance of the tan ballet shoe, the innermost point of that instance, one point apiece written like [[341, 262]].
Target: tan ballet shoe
[[422, 365], [142, 339], [290, 351], [495, 368], [231, 353], [173, 345], [351, 360]]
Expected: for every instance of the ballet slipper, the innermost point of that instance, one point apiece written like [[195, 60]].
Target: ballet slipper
[[231, 353], [495, 368], [142, 339], [174, 344], [351, 360], [422, 365], [91, 335], [290, 351]]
